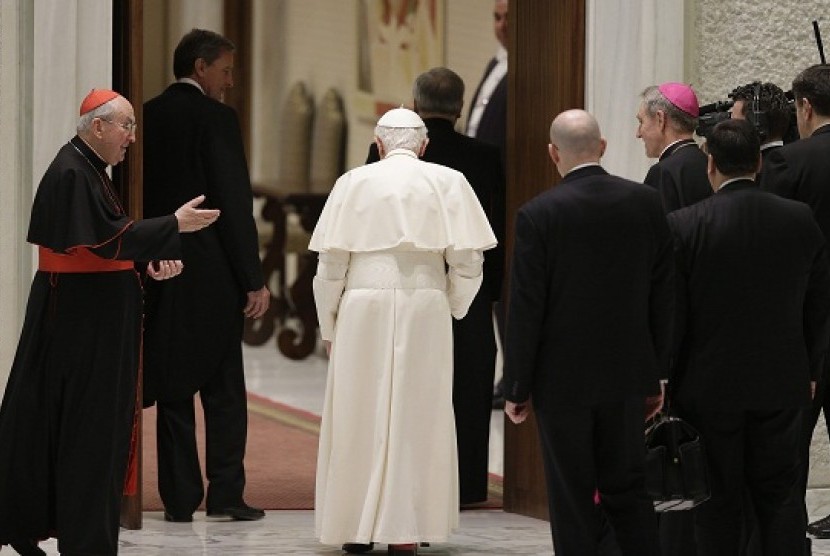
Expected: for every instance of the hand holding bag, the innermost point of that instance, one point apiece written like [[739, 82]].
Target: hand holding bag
[[677, 477]]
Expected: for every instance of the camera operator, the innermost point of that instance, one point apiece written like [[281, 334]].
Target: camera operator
[[765, 106], [801, 171]]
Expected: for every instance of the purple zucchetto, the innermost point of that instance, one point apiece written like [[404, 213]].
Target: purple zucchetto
[[682, 96]]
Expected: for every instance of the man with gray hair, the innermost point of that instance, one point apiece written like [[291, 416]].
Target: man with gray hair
[[666, 122], [68, 414], [588, 338], [438, 98], [400, 244]]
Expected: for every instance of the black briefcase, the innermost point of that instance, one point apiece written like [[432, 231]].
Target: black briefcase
[[677, 477]]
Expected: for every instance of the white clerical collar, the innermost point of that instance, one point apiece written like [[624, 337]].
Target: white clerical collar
[[407, 152], [581, 166], [501, 54], [670, 145], [771, 144], [190, 81], [750, 177], [825, 124]]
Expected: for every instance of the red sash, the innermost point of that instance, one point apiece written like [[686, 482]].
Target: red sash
[[80, 259]]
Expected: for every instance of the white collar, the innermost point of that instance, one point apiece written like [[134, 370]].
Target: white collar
[[190, 81], [670, 145], [750, 177], [406, 152], [585, 165]]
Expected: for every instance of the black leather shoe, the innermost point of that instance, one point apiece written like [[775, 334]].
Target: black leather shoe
[[27, 548], [820, 529], [242, 512], [177, 518], [357, 548]]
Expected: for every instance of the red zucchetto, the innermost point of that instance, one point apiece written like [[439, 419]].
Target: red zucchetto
[[96, 98]]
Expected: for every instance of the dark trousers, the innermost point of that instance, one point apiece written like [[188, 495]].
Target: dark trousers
[[226, 425], [755, 452], [677, 533], [810, 419], [590, 448], [474, 354]]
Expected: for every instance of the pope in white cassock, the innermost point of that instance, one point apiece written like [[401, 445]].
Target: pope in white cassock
[[400, 253]]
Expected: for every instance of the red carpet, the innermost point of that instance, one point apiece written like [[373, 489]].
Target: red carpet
[[280, 460]]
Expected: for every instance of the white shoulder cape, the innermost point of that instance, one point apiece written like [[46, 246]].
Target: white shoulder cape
[[402, 202]]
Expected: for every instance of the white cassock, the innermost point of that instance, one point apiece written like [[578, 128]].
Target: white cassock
[[400, 244]]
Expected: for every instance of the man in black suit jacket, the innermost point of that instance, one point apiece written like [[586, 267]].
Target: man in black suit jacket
[[801, 171], [487, 119], [753, 323], [765, 106], [667, 119], [192, 142], [588, 338], [438, 95]]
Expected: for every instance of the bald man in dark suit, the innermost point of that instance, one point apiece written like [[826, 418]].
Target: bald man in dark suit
[[588, 338]]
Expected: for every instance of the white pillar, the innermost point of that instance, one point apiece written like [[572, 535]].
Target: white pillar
[[630, 45], [52, 52], [16, 36]]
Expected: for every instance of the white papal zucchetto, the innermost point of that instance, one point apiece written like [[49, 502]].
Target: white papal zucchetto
[[401, 117]]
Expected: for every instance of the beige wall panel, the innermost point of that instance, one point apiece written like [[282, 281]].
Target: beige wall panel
[[316, 41]]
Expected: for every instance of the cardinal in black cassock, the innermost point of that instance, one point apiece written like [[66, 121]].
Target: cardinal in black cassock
[[67, 418]]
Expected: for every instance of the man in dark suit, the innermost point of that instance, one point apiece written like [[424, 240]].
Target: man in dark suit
[[801, 171], [765, 106], [192, 142], [666, 121], [753, 323], [438, 95], [588, 338], [487, 119], [667, 118]]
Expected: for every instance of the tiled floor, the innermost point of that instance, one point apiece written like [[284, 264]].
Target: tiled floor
[[301, 384]]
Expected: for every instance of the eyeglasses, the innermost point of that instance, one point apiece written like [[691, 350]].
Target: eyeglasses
[[129, 127]]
